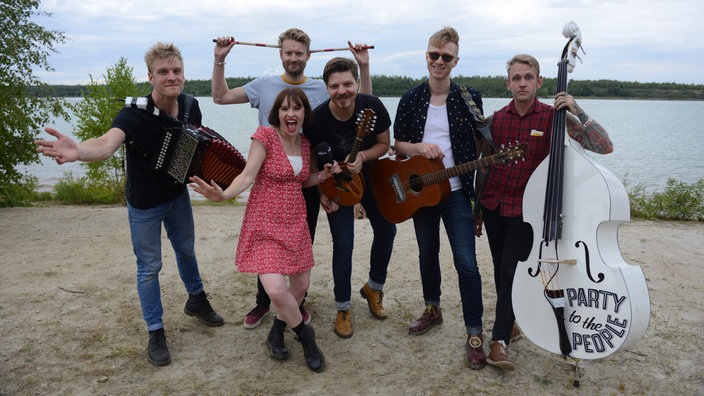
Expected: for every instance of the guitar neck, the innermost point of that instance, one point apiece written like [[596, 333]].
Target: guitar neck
[[356, 146], [438, 176]]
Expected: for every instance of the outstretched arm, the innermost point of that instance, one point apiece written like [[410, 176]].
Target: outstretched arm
[[255, 159], [64, 149]]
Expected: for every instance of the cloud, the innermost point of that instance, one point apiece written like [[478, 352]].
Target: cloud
[[647, 40]]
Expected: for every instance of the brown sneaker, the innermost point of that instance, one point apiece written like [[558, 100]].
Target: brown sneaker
[[498, 356], [431, 316], [516, 333], [374, 298], [476, 358], [343, 324]]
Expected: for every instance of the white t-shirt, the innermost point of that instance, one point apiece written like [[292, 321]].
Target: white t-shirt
[[437, 131]]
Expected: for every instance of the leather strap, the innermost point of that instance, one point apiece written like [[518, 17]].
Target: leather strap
[[479, 118]]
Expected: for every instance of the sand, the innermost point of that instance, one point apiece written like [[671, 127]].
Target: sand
[[70, 321]]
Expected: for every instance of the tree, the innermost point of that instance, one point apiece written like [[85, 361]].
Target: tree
[[24, 46], [101, 103]]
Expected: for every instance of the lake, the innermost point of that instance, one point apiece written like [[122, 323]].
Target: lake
[[653, 140]]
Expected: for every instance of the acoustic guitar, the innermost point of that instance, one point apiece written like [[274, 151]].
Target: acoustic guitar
[[348, 189], [401, 187]]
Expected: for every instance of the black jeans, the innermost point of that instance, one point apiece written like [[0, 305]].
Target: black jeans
[[510, 240]]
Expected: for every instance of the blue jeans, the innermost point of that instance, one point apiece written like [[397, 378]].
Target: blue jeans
[[342, 229], [456, 214], [145, 228]]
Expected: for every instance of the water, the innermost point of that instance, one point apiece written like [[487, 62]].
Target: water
[[653, 140]]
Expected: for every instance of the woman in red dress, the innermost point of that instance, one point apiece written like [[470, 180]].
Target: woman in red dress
[[274, 241]]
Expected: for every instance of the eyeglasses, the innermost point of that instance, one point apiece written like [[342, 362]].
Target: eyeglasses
[[447, 58]]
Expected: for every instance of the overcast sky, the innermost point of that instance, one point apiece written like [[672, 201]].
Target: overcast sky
[[627, 40]]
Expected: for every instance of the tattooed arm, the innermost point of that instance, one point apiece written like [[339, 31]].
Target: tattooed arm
[[582, 128]]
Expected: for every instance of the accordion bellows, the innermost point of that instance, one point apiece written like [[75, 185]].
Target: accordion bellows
[[200, 151]]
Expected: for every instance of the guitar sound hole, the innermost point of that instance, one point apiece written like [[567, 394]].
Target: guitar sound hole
[[415, 183]]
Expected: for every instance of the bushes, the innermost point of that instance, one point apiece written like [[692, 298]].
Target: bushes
[[679, 201]]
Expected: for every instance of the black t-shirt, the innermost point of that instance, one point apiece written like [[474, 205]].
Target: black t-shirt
[[340, 135], [144, 132]]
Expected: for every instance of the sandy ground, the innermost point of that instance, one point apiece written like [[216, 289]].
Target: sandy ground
[[70, 321]]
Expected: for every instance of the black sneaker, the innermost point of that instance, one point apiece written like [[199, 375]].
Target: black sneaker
[[198, 306], [157, 351]]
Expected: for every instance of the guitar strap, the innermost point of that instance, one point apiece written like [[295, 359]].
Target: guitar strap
[[479, 118]]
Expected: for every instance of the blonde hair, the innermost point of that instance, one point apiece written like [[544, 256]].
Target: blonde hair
[[162, 51], [296, 35], [524, 59], [444, 36]]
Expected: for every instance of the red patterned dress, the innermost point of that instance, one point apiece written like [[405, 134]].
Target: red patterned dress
[[274, 236]]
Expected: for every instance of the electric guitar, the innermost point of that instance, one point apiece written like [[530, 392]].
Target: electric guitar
[[401, 187], [347, 190]]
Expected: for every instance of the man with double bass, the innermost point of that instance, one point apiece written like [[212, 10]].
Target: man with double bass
[[500, 189]]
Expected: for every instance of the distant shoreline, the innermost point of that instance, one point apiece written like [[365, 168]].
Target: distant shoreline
[[488, 86]]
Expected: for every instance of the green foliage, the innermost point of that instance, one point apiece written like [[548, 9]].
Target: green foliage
[[24, 47], [19, 194], [100, 105], [85, 191], [679, 201]]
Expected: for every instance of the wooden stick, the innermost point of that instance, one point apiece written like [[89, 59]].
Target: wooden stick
[[253, 44], [339, 49], [311, 51]]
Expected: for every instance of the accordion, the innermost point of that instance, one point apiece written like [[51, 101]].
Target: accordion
[[187, 151]]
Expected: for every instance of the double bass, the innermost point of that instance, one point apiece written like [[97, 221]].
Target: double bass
[[575, 295]]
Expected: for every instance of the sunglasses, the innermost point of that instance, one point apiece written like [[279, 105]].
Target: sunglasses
[[447, 58]]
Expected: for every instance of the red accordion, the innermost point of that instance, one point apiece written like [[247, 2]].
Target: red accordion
[[199, 151]]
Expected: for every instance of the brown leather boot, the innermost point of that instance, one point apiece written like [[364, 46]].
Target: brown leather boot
[[498, 356], [374, 298], [431, 316], [516, 333], [476, 358], [343, 324]]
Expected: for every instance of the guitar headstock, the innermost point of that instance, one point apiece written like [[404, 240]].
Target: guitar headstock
[[511, 153], [366, 119]]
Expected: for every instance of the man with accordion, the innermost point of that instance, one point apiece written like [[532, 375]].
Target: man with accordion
[[153, 197]]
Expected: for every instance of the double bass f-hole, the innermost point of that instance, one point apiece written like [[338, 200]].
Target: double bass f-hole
[[533, 272], [587, 264]]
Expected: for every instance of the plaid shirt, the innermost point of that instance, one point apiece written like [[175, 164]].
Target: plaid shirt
[[507, 182]]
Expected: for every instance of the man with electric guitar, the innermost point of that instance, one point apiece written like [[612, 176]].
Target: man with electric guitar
[[433, 121], [354, 129]]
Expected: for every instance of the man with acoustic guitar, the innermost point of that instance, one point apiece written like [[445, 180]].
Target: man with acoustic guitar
[[500, 189], [260, 93], [433, 121], [355, 144]]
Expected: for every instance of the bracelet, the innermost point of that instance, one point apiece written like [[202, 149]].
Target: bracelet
[[318, 178], [219, 63]]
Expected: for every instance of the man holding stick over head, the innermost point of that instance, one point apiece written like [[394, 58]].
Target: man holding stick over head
[[294, 52]]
